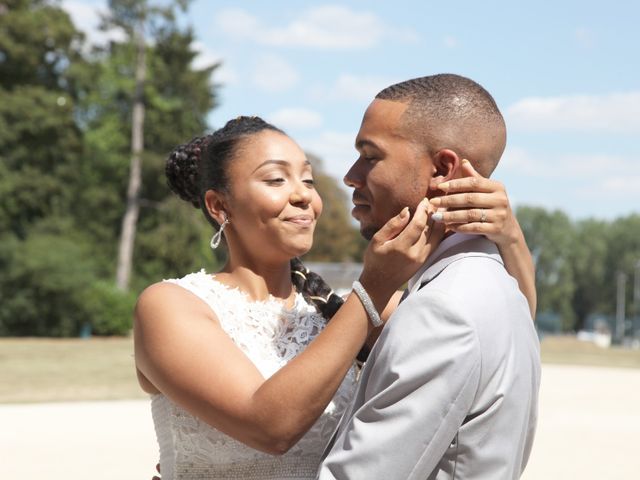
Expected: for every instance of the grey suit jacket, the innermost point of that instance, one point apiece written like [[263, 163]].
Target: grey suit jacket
[[450, 389]]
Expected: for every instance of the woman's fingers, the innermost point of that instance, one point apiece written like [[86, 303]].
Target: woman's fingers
[[393, 227], [415, 230], [471, 181], [471, 200], [468, 184], [473, 215]]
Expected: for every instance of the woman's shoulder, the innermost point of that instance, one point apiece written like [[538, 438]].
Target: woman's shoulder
[[172, 295]]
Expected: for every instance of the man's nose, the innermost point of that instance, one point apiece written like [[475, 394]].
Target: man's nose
[[354, 177]]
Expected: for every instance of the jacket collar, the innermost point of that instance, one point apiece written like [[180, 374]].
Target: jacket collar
[[452, 249]]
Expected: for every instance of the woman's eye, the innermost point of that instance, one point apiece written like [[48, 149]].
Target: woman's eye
[[274, 181], [310, 182]]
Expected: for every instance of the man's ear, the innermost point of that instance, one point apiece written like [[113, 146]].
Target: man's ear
[[446, 163], [215, 206]]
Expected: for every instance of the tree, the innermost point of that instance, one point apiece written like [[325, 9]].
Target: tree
[[135, 17], [551, 237], [170, 237], [40, 144], [336, 239], [41, 152], [65, 122], [622, 257], [589, 259]]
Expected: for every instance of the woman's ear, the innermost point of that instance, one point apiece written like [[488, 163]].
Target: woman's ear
[[446, 163], [215, 205]]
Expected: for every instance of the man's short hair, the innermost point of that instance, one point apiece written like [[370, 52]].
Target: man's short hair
[[451, 111]]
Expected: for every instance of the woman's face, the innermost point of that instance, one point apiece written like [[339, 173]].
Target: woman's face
[[272, 203]]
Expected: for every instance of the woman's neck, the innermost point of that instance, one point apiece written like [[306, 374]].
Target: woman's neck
[[259, 281]]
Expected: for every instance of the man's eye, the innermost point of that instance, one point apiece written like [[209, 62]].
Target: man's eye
[[310, 182]]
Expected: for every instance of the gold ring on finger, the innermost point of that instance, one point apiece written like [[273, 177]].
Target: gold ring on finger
[[483, 216]]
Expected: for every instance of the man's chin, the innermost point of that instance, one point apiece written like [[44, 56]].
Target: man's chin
[[368, 231]]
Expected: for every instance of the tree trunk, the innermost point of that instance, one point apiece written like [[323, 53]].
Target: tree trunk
[[130, 219]]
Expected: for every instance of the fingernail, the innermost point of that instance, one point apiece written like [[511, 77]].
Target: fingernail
[[464, 160], [443, 186], [404, 212], [437, 217], [436, 201]]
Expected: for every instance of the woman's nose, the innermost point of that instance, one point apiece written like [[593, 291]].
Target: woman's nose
[[301, 193]]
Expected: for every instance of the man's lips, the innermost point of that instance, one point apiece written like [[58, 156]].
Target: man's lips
[[359, 200]]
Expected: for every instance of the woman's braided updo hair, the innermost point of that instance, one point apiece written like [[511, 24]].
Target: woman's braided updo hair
[[201, 165]]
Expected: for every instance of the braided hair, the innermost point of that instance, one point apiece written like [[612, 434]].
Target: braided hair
[[202, 164], [315, 290]]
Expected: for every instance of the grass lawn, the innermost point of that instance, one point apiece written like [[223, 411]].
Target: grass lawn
[[42, 370], [568, 350], [50, 370]]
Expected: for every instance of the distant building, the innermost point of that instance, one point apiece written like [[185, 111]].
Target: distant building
[[339, 276]]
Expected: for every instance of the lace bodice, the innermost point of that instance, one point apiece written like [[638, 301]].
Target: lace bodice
[[270, 335]]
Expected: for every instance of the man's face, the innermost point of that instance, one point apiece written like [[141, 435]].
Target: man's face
[[391, 172]]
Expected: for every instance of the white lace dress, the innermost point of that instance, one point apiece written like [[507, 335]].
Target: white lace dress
[[270, 335]]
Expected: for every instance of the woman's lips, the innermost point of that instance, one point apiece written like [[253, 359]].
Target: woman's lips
[[301, 220]]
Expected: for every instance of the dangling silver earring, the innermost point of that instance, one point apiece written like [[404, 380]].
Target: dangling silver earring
[[217, 237]]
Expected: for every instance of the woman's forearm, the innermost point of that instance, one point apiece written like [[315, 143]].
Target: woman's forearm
[[519, 263]]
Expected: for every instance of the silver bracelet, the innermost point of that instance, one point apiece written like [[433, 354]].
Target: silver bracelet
[[364, 297]]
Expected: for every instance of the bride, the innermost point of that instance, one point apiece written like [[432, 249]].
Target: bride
[[249, 369]]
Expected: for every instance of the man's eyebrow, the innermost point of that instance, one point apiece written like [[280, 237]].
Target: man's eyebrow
[[283, 163], [366, 143]]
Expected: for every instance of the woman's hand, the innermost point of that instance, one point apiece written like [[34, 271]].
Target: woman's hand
[[398, 249], [480, 205], [477, 205]]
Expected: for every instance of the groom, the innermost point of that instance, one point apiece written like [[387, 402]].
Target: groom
[[450, 388]]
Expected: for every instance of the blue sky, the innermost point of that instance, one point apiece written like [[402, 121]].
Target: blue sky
[[565, 74]]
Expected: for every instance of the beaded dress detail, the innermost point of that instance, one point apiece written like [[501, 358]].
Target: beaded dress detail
[[270, 335]]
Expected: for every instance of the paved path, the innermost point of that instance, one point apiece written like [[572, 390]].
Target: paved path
[[77, 441], [589, 429], [589, 426]]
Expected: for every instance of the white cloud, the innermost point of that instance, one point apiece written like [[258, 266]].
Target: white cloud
[[86, 17], [324, 27], [335, 149], [450, 41], [237, 22], [611, 113], [295, 118], [584, 37], [354, 88], [583, 186], [273, 73], [627, 185], [567, 165], [206, 57]]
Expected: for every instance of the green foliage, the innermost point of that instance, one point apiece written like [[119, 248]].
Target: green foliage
[[577, 263], [36, 40], [65, 123], [551, 237], [591, 270], [44, 282], [336, 239], [109, 309]]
